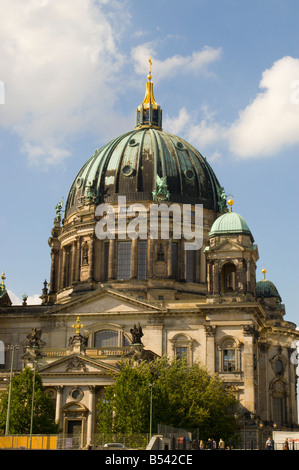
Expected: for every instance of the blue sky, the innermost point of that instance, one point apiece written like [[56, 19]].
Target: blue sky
[[226, 74]]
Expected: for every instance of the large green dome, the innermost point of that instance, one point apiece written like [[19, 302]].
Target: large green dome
[[138, 163], [129, 165], [228, 224]]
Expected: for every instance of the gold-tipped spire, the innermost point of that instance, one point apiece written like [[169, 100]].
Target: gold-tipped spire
[[149, 98], [149, 68], [149, 113]]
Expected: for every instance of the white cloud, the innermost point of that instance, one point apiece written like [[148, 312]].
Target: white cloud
[[203, 134], [271, 122], [31, 300], [266, 126], [59, 60], [196, 63]]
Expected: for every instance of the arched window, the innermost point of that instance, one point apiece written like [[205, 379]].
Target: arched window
[[229, 355], [228, 278], [182, 347], [279, 402]]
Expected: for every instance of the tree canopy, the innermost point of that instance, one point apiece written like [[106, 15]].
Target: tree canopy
[[182, 396], [21, 406]]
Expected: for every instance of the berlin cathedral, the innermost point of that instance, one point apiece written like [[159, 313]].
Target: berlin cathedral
[[120, 296]]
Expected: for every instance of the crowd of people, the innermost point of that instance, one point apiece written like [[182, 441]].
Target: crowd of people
[[210, 444]]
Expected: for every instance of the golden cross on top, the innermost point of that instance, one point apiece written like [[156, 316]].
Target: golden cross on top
[[149, 68], [78, 325], [3, 279]]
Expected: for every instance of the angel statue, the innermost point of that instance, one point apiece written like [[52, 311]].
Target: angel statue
[[137, 334], [58, 210], [33, 338]]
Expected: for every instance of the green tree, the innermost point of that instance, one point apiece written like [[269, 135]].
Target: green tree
[[21, 406], [185, 397]]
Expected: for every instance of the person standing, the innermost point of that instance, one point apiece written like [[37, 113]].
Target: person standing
[[221, 445], [268, 444], [286, 444]]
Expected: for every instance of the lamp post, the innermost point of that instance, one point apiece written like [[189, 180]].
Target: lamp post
[[32, 404], [151, 408], [11, 347]]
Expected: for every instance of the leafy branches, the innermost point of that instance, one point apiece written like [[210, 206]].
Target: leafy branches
[[183, 396]]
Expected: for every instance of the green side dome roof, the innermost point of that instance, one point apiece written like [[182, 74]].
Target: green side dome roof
[[228, 224], [266, 288]]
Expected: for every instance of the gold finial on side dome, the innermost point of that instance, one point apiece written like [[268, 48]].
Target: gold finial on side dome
[[230, 202], [264, 272], [3, 279]]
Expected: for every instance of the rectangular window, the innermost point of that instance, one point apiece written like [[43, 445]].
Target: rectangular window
[[229, 362], [174, 259], [279, 411], [124, 251], [190, 265], [142, 259], [181, 352]]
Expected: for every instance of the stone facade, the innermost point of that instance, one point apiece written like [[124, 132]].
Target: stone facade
[[200, 304]]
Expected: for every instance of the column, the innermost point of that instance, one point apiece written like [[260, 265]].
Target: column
[[63, 268], [169, 258], [58, 403], [112, 261], [150, 259], [54, 271], [91, 415], [210, 347], [78, 259], [248, 367], [74, 261], [91, 258], [182, 255], [134, 258]]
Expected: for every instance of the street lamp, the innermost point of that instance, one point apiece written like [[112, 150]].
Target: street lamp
[[151, 409], [11, 347], [32, 404]]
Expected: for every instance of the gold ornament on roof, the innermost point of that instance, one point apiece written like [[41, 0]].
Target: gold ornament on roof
[[264, 272], [230, 202], [149, 92], [3, 279], [149, 68], [78, 325]]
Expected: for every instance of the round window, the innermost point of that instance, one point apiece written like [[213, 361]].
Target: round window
[[189, 174], [127, 170]]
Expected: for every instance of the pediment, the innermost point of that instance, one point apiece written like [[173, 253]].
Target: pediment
[[76, 363], [105, 301], [228, 245]]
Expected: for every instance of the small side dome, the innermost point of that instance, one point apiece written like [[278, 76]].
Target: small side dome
[[266, 288], [230, 223]]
